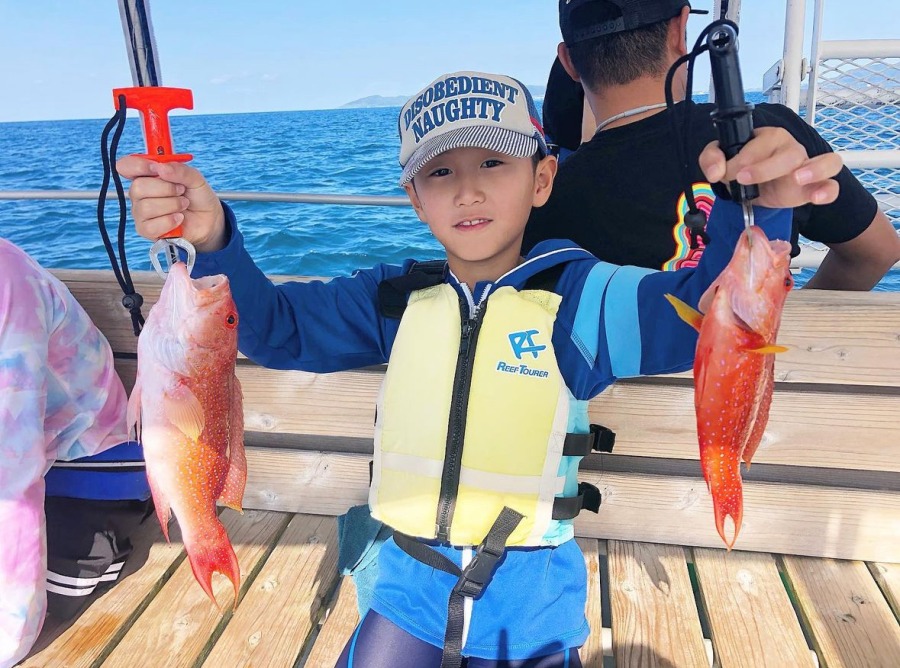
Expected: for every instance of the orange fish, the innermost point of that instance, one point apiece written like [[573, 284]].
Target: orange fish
[[734, 365], [187, 409]]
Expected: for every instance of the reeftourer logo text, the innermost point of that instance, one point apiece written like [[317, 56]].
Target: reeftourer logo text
[[487, 98], [523, 343]]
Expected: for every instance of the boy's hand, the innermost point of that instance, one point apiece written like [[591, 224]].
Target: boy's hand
[[167, 194], [778, 163]]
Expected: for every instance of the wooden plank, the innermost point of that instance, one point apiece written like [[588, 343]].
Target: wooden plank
[[780, 518], [654, 615], [96, 631], [840, 337], [592, 651], [814, 429], [846, 615], [888, 578], [282, 605], [180, 621], [295, 402], [833, 337], [751, 619], [337, 629], [819, 429]]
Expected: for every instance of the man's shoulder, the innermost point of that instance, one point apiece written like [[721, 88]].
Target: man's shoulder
[[774, 114]]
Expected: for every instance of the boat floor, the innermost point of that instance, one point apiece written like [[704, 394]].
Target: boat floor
[[660, 605]]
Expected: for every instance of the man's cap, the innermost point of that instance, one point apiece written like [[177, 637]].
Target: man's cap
[[580, 20], [468, 110]]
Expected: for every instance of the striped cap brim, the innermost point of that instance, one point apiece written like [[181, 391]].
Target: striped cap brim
[[504, 141]]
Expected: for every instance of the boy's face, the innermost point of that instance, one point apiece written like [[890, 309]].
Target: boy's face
[[476, 202]]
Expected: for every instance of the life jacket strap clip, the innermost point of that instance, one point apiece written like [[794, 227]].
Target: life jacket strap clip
[[604, 438], [478, 573], [599, 439]]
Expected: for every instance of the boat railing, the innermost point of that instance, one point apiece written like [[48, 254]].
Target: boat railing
[[852, 98], [811, 255]]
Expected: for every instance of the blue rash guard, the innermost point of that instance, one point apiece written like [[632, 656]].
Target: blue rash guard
[[613, 322]]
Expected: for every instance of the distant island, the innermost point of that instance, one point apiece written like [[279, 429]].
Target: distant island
[[375, 101]]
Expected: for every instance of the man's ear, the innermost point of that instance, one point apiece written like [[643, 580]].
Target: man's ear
[[544, 174], [677, 36], [566, 60], [414, 200]]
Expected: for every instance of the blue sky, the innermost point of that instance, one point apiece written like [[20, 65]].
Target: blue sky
[[60, 59]]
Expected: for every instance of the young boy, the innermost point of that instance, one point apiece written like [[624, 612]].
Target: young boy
[[482, 419]]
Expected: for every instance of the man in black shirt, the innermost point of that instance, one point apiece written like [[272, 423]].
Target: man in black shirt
[[621, 194]]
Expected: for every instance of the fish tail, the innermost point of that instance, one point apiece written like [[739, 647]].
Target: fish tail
[[733, 508], [214, 554]]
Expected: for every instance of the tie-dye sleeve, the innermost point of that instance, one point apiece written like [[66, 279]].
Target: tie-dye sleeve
[[59, 399]]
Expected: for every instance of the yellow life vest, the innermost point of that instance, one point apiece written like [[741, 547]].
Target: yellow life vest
[[472, 417]]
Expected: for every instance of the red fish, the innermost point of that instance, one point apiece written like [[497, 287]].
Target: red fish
[[734, 365], [187, 409]]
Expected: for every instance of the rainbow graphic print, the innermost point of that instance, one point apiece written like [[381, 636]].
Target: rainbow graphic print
[[685, 256]]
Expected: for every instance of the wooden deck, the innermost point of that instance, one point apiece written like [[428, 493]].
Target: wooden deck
[[817, 581], [649, 605]]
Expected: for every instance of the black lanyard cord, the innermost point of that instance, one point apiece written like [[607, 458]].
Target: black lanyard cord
[[132, 300]]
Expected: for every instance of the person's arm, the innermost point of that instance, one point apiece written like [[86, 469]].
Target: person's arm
[[858, 264], [310, 326], [635, 298], [313, 326], [862, 243]]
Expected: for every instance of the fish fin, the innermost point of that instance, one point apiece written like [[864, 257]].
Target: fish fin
[[183, 409], [690, 315], [133, 412], [761, 419], [768, 350], [214, 554], [169, 352], [706, 298], [161, 503], [236, 480]]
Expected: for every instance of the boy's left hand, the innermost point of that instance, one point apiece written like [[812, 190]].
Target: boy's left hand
[[778, 163]]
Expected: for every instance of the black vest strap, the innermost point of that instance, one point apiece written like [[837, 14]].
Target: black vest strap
[[393, 293], [600, 438], [568, 507], [472, 579]]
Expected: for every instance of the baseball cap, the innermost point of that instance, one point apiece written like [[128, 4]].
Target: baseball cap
[[583, 19], [468, 110]]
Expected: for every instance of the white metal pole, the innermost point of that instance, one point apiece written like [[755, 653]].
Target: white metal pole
[[813, 86], [795, 21]]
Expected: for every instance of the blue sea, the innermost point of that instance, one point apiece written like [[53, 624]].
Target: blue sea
[[346, 151]]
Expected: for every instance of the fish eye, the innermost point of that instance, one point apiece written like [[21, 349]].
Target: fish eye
[[231, 320]]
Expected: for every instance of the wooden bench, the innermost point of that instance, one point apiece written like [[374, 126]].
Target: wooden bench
[[815, 581]]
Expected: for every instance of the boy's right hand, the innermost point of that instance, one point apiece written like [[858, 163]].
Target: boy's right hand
[[167, 194]]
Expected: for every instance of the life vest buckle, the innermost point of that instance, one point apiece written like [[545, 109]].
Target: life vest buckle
[[478, 573], [604, 438]]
